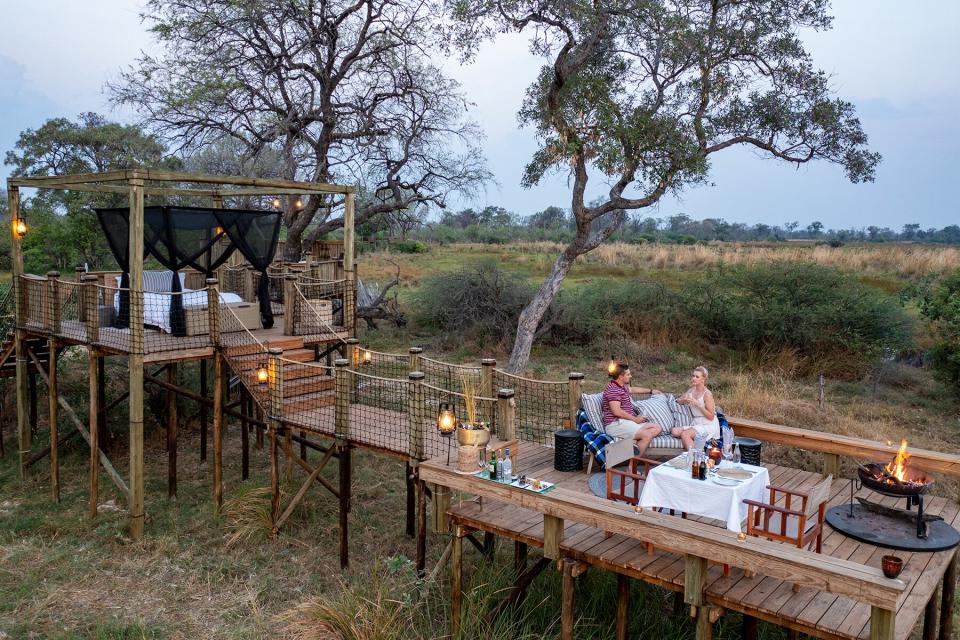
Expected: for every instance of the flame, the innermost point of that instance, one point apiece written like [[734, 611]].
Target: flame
[[898, 468]]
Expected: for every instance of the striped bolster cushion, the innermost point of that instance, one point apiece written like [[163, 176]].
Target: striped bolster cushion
[[591, 404], [657, 409], [666, 442]]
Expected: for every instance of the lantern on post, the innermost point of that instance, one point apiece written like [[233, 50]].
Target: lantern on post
[[446, 423], [262, 374], [366, 356], [20, 227], [612, 367]]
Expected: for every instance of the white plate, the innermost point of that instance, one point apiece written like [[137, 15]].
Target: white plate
[[726, 482]]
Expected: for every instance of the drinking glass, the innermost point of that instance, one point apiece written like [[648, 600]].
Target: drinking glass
[[736, 455]]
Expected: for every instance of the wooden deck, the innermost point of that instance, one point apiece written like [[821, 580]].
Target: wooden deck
[[819, 612]]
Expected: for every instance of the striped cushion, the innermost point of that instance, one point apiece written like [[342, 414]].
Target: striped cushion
[[682, 413], [657, 409], [666, 442], [591, 404], [159, 281]]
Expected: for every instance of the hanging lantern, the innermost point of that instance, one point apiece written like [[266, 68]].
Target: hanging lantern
[[20, 227], [299, 203], [367, 357], [218, 231], [612, 366], [276, 203], [262, 374]]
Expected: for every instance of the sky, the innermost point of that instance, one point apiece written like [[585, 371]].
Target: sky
[[896, 61]]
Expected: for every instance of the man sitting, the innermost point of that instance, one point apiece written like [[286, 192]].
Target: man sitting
[[620, 419]]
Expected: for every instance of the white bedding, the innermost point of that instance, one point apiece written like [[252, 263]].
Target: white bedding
[[156, 306]]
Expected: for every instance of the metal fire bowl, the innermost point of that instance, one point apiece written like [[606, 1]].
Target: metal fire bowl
[[891, 531], [906, 490]]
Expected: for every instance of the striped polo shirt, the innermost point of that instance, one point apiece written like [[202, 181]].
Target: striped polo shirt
[[619, 394]]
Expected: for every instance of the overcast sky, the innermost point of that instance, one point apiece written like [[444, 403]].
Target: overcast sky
[[897, 61]]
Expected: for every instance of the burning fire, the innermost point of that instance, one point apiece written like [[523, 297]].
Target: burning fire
[[898, 468]]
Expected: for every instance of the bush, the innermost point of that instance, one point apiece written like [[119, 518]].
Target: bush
[[480, 302], [409, 246], [827, 318], [940, 306]]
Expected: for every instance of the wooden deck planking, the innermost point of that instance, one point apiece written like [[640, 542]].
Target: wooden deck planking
[[818, 613]]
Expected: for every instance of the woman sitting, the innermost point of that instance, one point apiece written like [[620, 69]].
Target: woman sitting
[[620, 418], [700, 400]]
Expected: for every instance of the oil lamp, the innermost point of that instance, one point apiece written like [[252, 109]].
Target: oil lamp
[[262, 375], [20, 227], [446, 423], [276, 203]]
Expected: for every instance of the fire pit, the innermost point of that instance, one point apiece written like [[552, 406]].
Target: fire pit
[[889, 527]]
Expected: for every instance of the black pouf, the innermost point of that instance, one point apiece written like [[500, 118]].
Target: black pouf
[[749, 450], [568, 450]]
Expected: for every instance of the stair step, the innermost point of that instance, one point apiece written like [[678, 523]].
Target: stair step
[[307, 402], [299, 355], [292, 388], [285, 343]]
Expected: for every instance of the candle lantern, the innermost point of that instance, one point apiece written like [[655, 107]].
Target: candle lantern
[[276, 203], [20, 227], [612, 366], [446, 423], [715, 454], [367, 357], [262, 375]]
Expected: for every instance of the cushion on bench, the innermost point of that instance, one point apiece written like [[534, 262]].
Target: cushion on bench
[[658, 409]]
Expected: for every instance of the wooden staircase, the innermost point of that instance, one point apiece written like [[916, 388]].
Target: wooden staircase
[[304, 388], [8, 355]]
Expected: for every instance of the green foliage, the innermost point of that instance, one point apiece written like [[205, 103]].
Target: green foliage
[[940, 306], [409, 246]]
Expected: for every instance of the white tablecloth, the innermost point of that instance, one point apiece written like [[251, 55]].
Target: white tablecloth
[[673, 488]]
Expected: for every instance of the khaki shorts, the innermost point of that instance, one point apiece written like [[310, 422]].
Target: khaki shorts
[[623, 428]]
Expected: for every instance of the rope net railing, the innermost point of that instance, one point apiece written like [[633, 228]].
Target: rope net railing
[[318, 309], [232, 281], [7, 314], [542, 407], [485, 411], [447, 375], [32, 292], [384, 365], [378, 412], [72, 311], [244, 353], [309, 395]]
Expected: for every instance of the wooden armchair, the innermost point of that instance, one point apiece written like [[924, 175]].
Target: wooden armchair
[[623, 493], [798, 521]]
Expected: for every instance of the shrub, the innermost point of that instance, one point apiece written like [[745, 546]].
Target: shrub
[[409, 246], [826, 317], [940, 306]]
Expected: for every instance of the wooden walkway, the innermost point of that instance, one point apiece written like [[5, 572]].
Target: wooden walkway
[[816, 612]]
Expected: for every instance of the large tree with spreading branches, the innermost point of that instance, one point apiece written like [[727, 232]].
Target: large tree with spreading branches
[[640, 94], [342, 90]]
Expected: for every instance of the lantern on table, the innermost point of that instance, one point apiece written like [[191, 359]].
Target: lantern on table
[[446, 423]]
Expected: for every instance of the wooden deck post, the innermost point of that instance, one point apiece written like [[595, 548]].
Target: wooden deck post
[[213, 322], [344, 450], [567, 602], [341, 420], [456, 582], [245, 410], [623, 605], [275, 386], [520, 551], [552, 536], [883, 624], [574, 390], [290, 304], [172, 427], [414, 359], [248, 292], [20, 311], [135, 359], [52, 390], [91, 306], [411, 489], [831, 465], [415, 416], [203, 410], [931, 615], [487, 365], [92, 374], [53, 302], [421, 491], [352, 352], [694, 585], [506, 415], [948, 597], [440, 501], [349, 270]]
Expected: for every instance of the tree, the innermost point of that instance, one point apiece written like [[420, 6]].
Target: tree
[[550, 218], [343, 91], [644, 93], [66, 231], [910, 231], [815, 228]]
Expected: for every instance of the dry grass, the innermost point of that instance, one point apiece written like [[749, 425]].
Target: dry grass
[[248, 516]]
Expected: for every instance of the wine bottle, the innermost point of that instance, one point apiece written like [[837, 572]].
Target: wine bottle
[[493, 465]]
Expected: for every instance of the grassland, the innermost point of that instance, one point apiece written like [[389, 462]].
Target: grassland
[[199, 574]]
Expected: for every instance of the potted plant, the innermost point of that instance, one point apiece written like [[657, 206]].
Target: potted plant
[[472, 432]]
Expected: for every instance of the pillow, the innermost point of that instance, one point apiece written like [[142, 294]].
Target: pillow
[[682, 413], [591, 403], [159, 281], [657, 408]]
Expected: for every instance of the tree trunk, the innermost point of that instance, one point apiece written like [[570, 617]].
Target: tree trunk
[[533, 313], [293, 247]]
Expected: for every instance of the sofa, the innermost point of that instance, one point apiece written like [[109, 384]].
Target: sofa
[[661, 408]]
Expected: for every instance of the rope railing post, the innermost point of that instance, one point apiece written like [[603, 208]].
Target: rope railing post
[[487, 389], [213, 311], [248, 290], [341, 421], [415, 415], [352, 352], [289, 303], [91, 308], [575, 389], [52, 308], [506, 410], [414, 364], [275, 409]]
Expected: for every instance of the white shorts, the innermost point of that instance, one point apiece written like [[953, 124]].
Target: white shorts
[[623, 428], [706, 429]]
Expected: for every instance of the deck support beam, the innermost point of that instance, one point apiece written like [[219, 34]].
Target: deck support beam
[[344, 449], [203, 410], [246, 408], [948, 597], [883, 624], [567, 599], [456, 582], [411, 498], [218, 392], [93, 371], [172, 427], [52, 391], [552, 536], [421, 529], [623, 605], [135, 359], [694, 585]]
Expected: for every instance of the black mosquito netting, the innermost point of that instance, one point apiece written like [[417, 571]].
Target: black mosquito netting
[[181, 237]]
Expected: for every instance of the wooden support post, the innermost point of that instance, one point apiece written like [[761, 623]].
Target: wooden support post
[[623, 605], [456, 582], [883, 623], [349, 270], [34, 403], [102, 399], [135, 249], [203, 410], [351, 352], [948, 597], [344, 450], [694, 585], [506, 415], [574, 390], [567, 613], [487, 366], [52, 418], [410, 483], [20, 311], [421, 491], [218, 392], [552, 536], [440, 499], [341, 419], [831, 465], [275, 386], [415, 416], [931, 614], [172, 427], [92, 371], [748, 628], [244, 434], [520, 551], [53, 302], [290, 304], [414, 359], [249, 295], [258, 413], [91, 307]]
